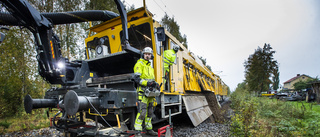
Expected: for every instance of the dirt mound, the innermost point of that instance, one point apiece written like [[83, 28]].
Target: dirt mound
[[214, 106]]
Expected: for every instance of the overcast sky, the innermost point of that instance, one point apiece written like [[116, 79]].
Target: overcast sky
[[226, 32]]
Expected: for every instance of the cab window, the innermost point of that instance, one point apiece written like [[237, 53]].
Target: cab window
[[98, 47], [139, 36]]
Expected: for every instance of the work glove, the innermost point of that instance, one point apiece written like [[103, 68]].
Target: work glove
[[151, 84], [157, 86], [136, 78]]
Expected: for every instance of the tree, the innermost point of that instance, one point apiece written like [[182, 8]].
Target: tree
[[18, 65], [172, 26], [298, 86], [275, 78], [109, 5], [241, 87], [70, 34], [17, 74], [204, 61], [259, 68], [102, 5], [228, 90]]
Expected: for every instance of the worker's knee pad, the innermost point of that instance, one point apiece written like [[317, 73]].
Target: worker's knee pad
[[150, 109], [143, 110]]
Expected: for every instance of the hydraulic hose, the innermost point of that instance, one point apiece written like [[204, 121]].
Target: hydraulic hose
[[57, 18], [54, 119], [79, 16]]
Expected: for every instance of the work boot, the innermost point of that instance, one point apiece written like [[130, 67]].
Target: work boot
[[152, 133], [138, 134]]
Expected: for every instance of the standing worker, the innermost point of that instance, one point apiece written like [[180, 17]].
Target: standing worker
[[169, 58], [144, 78]]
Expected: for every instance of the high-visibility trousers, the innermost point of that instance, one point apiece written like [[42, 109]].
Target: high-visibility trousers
[[145, 110]]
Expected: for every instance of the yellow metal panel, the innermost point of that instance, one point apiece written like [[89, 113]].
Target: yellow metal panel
[[190, 83], [138, 13], [177, 79], [211, 84], [196, 84], [218, 87], [225, 90], [115, 43], [192, 80], [267, 95], [203, 82], [200, 81], [206, 83], [186, 79]]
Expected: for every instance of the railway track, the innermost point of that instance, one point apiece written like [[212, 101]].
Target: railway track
[[182, 127]]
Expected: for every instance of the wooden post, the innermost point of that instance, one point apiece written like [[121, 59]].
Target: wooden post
[[317, 92], [315, 87]]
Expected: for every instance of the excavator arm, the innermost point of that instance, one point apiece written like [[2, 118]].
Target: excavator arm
[[53, 67], [48, 47]]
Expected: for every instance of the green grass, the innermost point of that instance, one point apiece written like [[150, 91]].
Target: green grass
[[296, 118], [313, 106], [5, 124], [261, 116], [25, 122]]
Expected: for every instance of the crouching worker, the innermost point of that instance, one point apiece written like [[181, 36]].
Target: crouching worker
[[144, 78]]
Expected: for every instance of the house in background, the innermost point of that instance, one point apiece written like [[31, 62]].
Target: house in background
[[288, 85]]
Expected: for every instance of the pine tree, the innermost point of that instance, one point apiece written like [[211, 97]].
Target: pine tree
[[109, 5], [275, 78], [259, 67], [16, 71], [172, 26], [204, 61]]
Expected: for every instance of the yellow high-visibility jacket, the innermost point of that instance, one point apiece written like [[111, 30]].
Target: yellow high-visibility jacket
[[169, 58], [146, 72]]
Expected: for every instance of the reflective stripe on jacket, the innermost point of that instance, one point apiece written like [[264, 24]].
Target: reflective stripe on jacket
[[144, 68]]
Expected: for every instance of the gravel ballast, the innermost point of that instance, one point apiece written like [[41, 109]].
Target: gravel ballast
[[182, 128]]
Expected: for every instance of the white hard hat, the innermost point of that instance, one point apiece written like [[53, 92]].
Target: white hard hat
[[147, 50], [175, 48]]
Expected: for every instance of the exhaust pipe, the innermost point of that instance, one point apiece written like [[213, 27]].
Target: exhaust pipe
[[30, 103]]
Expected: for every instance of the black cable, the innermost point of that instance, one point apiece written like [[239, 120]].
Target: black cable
[[159, 6], [54, 119]]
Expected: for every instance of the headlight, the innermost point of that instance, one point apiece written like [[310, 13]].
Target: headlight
[[60, 65]]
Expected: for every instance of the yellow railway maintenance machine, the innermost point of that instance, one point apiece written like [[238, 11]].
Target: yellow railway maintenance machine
[[221, 89], [188, 76], [101, 87]]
